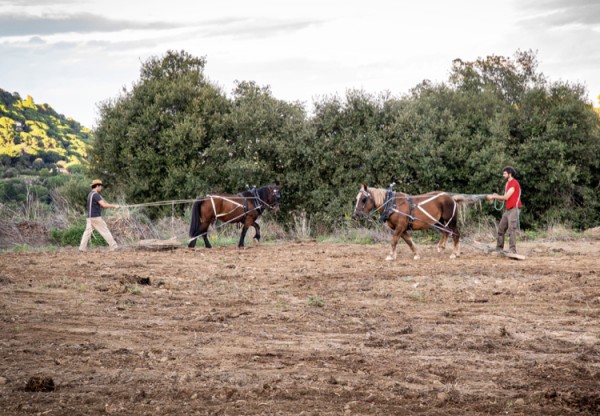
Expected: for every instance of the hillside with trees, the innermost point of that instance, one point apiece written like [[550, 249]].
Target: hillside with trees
[[43, 161], [34, 138]]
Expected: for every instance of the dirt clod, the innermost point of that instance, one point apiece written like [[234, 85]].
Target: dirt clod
[[40, 383]]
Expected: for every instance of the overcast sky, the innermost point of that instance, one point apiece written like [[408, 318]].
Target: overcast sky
[[74, 54]]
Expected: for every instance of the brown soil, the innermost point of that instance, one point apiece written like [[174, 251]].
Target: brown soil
[[301, 328]]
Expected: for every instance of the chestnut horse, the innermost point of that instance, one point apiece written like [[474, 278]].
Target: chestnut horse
[[404, 213], [245, 207]]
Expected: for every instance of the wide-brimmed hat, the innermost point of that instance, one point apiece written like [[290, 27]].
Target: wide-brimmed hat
[[96, 182]]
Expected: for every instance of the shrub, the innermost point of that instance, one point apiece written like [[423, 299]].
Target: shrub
[[72, 236], [56, 181], [73, 192], [76, 167]]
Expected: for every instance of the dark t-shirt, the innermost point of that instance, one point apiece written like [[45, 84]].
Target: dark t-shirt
[[93, 208]]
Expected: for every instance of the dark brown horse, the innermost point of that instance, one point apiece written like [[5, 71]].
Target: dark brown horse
[[245, 207], [404, 213]]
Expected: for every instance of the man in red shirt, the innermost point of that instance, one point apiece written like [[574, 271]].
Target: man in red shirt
[[510, 218]]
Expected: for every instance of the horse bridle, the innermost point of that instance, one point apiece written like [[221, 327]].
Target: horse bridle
[[275, 194], [370, 197]]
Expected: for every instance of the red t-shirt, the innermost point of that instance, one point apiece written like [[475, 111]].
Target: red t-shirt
[[515, 198]]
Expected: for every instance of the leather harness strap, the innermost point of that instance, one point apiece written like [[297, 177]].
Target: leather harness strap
[[389, 205], [411, 212], [257, 201]]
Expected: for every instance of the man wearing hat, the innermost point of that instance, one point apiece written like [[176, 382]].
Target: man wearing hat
[[94, 206]]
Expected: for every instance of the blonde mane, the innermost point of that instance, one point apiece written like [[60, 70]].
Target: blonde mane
[[378, 195]]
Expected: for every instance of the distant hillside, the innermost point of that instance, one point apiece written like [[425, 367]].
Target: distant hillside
[[34, 136]]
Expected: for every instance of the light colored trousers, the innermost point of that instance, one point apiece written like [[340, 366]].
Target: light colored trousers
[[508, 223], [98, 224]]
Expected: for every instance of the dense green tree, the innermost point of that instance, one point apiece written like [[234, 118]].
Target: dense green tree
[[507, 78], [550, 133], [153, 141], [260, 131], [557, 148], [330, 160]]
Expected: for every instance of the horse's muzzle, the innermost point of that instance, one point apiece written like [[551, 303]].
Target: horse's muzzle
[[359, 215]]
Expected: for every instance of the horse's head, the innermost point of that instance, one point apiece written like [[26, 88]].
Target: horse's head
[[273, 196], [365, 203]]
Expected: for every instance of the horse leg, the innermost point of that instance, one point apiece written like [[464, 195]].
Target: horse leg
[[395, 238], [456, 239], [204, 232], [406, 237], [442, 244], [243, 235], [257, 233]]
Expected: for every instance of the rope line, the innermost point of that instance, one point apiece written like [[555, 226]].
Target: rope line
[[183, 201], [159, 203]]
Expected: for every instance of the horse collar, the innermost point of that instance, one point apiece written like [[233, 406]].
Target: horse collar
[[389, 205]]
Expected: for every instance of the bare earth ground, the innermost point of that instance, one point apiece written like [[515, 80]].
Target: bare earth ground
[[301, 328]]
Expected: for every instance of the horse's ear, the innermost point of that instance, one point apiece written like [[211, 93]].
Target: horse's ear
[[276, 183], [363, 186]]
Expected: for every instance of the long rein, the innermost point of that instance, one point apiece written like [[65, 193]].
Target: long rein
[[184, 201]]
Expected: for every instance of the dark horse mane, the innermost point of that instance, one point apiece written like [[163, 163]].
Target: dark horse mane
[[262, 192]]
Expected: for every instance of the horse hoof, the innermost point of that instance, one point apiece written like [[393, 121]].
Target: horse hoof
[[389, 258], [440, 249], [453, 256], [417, 257]]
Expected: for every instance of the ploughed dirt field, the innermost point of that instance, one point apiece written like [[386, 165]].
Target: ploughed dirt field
[[301, 328]]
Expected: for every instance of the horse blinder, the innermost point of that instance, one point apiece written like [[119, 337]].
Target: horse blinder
[[361, 203], [275, 193]]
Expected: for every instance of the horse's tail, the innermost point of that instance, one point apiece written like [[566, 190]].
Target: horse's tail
[[463, 201], [195, 225], [466, 199]]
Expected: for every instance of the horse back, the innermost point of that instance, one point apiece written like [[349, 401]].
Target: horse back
[[437, 204], [229, 208]]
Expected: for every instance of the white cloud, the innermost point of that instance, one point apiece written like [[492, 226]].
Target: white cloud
[[74, 54]]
